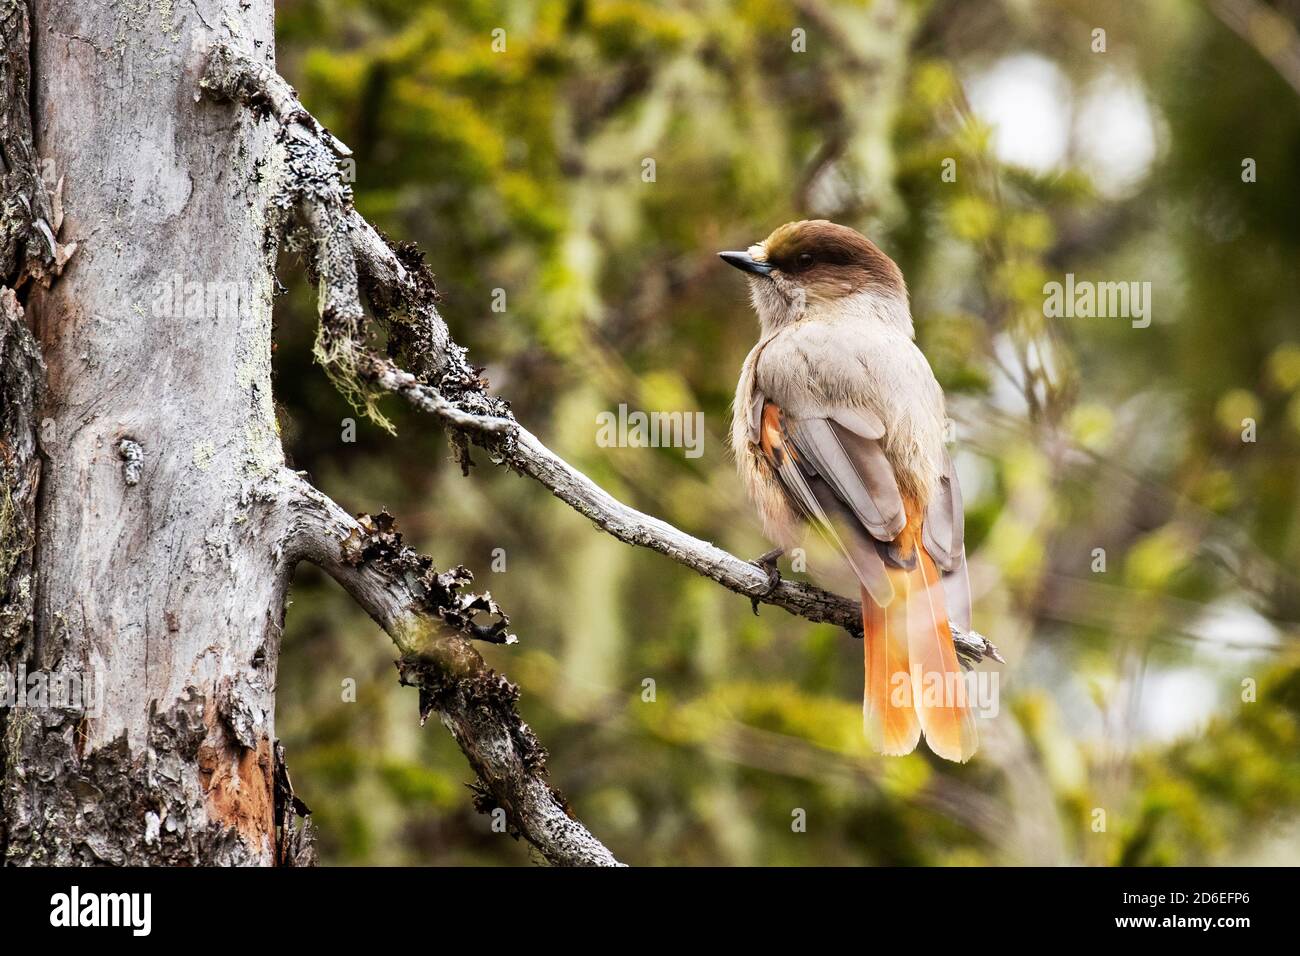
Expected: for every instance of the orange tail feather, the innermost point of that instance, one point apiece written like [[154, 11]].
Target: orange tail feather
[[938, 682], [914, 682], [888, 718]]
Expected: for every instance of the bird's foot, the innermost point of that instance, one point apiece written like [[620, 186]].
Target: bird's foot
[[767, 564]]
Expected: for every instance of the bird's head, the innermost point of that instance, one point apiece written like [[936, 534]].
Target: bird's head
[[816, 267]]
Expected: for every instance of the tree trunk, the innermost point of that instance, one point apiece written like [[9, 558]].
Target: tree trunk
[[159, 572]]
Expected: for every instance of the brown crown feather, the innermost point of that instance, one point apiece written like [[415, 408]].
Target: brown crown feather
[[842, 258]]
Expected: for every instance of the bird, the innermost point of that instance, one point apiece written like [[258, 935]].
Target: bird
[[838, 425]]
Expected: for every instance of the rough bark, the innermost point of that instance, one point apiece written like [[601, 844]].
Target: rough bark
[[157, 573], [21, 373], [28, 221]]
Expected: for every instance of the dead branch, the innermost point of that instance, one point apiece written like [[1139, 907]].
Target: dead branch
[[429, 616], [512, 444]]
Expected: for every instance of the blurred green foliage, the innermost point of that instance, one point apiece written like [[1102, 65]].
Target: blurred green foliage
[[1133, 557]]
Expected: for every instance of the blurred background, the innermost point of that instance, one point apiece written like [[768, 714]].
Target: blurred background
[[1131, 493]]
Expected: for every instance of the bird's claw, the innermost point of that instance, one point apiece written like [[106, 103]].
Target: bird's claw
[[767, 564]]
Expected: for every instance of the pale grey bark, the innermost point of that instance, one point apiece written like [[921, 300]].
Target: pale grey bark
[[157, 570]]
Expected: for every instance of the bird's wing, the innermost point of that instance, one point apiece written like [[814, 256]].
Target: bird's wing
[[836, 474], [943, 537], [834, 469]]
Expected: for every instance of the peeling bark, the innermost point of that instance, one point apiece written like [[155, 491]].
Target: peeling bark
[[157, 563], [27, 248], [117, 804], [21, 371], [25, 217]]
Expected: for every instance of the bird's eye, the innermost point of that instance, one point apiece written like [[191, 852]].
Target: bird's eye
[[805, 260]]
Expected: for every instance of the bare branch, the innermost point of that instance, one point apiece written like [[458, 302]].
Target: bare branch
[[519, 448], [627, 524], [429, 615], [402, 293], [514, 445], [1269, 32]]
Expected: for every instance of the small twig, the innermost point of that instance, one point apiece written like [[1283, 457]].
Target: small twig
[[1268, 32], [427, 399]]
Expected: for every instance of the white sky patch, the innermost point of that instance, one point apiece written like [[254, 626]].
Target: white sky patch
[[1179, 701], [1176, 703], [1026, 99], [1109, 131], [1008, 394], [1115, 134], [1232, 630]]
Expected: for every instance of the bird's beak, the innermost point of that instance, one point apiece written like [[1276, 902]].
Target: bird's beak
[[745, 262]]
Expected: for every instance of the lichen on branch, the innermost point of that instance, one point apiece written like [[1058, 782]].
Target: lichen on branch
[[432, 617]]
